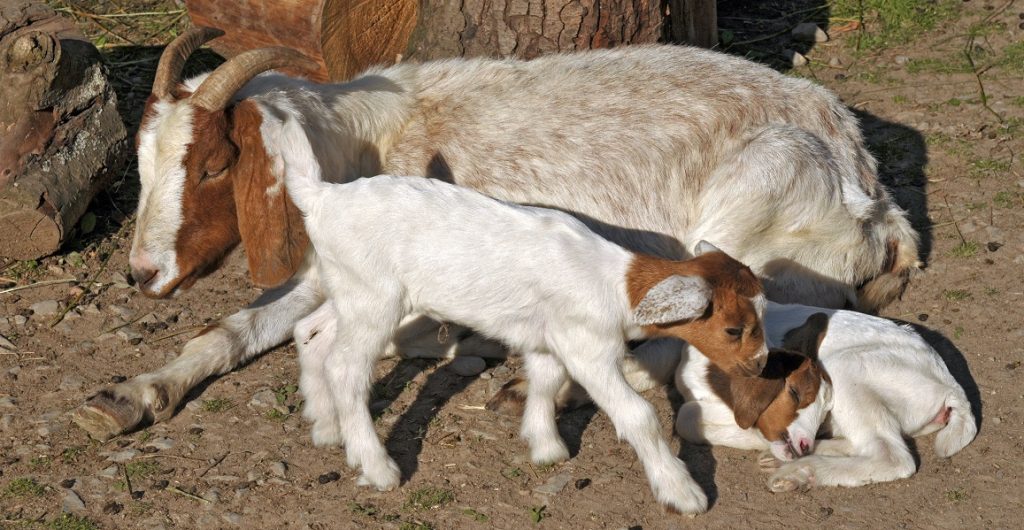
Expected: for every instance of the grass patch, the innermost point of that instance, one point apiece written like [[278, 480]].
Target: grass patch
[[956, 495], [217, 405], [25, 487], [1007, 199], [40, 463], [538, 513], [477, 516], [415, 525], [957, 64], [511, 472], [899, 99], [71, 454], [1013, 57], [986, 166], [275, 415], [368, 510], [141, 469], [956, 295], [282, 393], [966, 249], [958, 332], [429, 497], [892, 22], [1018, 101], [67, 521], [991, 291]]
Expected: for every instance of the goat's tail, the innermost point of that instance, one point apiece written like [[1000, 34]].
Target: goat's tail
[[302, 173], [961, 428]]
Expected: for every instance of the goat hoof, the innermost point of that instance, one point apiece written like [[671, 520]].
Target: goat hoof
[[791, 479], [679, 494], [551, 453], [107, 414], [385, 477], [511, 399], [767, 462]]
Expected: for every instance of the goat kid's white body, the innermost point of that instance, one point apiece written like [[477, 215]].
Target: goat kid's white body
[[887, 382], [536, 279]]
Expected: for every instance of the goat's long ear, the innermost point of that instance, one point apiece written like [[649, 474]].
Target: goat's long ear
[[808, 337], [673, 299], [751, 398], [270, 224]]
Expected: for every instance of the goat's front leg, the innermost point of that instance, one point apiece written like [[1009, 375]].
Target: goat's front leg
[[365, 326], [314, 339], [713, 423], [544, 377], [595, 366], [218, 349]]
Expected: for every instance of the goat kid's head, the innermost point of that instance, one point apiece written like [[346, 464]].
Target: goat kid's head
[[790, 399], [208, 181], [711, 301]]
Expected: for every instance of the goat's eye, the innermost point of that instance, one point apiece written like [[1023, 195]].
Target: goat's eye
[[211, 174], [734, 332], [794, 394]]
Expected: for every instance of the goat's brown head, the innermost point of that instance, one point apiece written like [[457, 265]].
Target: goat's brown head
[[711, 301], [208, 181], [791, 397]]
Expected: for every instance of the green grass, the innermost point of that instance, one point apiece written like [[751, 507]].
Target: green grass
[[217, 405], [991, 291], [986, 166], [275, 415], [958, 332], [284, 392], [1007, 199], [956, 495], [538, 513], [1018, 101], [71, 454], [25, 487], [892, 22], [956, 295], [967, 249], [429, 497], [951, 65], [67, 521], [899, 99], [40, 462], [415, 525], [1013, 57], [477, 516], [368, 510]]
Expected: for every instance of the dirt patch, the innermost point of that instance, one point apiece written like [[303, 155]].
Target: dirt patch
[[944, 112]]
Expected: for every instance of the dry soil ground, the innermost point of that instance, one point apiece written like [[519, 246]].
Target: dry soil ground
[[940, 89]]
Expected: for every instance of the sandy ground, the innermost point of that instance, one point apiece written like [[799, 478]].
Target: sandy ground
[[237, 454]]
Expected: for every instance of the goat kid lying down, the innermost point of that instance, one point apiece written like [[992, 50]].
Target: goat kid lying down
[[886, 383], [533, 278]]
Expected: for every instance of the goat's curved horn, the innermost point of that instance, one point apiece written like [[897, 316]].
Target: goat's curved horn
[[172, 60], [215, 93]]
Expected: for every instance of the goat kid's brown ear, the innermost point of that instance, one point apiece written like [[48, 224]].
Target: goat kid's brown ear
[[808, 337], [270, 224], [752, 396], [673, 299]]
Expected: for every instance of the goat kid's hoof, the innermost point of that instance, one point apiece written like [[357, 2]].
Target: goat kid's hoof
[[549, 454], [686, 500], [107, 414], [791, 478], [510, 400], [385, 478], [767, 462]]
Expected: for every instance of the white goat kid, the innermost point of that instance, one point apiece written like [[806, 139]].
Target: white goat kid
[[887, 383], [536, 279]]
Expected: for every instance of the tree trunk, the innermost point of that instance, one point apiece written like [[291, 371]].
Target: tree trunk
[[347, 36], [61, 137]]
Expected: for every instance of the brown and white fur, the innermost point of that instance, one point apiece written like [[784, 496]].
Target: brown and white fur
[[887, 383], [771, 168]]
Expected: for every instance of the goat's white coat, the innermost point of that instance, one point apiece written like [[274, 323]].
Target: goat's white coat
[[534, 278], [887, 382]]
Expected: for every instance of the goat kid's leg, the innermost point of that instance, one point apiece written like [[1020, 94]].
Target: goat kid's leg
[[595, 366], [544, 376], [714, 424], [314, 339], [363, 333], [218, 349]]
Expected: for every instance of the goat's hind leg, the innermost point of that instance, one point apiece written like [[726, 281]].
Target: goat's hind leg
[[595, 366], [544, 377], [365, 326], [314, 339]]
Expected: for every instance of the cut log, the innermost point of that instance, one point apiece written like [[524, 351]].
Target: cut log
[[61, 137], [347, 36]]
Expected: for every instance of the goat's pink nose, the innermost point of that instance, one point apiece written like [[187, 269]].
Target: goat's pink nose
[[143, 268], [805, 446]]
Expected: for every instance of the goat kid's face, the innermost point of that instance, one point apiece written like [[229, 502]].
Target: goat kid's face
[[711, 301]]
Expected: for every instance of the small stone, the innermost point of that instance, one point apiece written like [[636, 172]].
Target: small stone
[[222, 478], [91, 309], [49, 429], [160, 485], [328, 477], [232, 518], [160, 444], [71, 382], [130, 336], [994, 246], [82, 349], [118, 379], [124, 312], [212, 496], [6, 421], [195, 431], [794, 57], [119, 280], [467, 366], [109, 472], [501, 372], [582, 483], [121, 456], [137, 495], [19, 320], [809, 32], [263, 399], [45, 308], [6, 346], [67, 483], [923, 317], [72, 503], [997, 420], [901, 60], [252, 476], [279, 469], [554, 484], [8, 402], [835, 62], [112, 508]]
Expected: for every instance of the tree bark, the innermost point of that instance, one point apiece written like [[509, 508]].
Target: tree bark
[[61, 137], [347, 36]]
